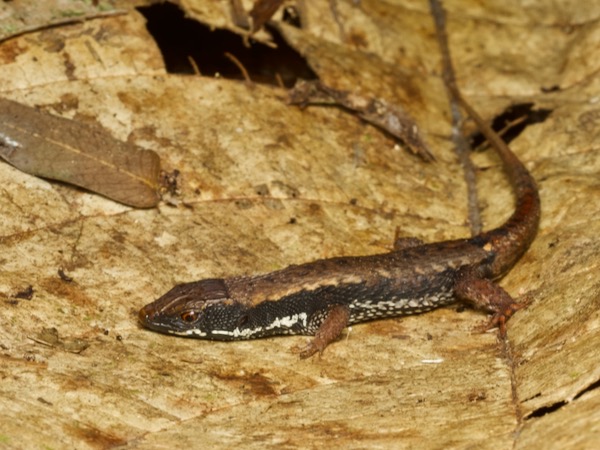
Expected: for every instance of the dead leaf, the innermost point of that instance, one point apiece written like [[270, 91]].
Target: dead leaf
[[76, 153], [51, 338], [262, 11]]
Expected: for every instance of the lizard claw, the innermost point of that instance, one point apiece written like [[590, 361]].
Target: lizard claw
[[307, 350], [499, 318]]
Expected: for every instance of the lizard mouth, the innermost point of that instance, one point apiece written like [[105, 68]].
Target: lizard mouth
[[150, 317]]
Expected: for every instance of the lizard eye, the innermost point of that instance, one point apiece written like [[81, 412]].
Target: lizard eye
[[189, 316]]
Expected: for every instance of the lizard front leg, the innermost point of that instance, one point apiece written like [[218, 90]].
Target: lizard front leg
[[332, 320]]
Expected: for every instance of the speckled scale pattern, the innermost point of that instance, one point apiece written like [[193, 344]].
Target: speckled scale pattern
[[297, 299], [365, 302]]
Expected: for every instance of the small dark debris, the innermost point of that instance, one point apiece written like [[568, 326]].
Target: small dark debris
[[549, 89], [63, 276], [44, 401], [50, 337], [262, 190], [169, 182], [476, 396], [25, 294]]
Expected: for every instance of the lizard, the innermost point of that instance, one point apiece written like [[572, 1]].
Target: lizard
[[323, 297]]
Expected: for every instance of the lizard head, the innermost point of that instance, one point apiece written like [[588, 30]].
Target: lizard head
[[202, 309]]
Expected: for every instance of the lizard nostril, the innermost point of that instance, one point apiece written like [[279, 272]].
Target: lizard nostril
[[146, 313]]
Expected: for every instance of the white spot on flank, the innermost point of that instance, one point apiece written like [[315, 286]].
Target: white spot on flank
[[283, 322], [191, 332], [288, 321]]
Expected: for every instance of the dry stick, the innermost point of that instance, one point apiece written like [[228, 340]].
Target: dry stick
[[461, 146], [279, 80], [195, 67], [492, 137], [239, 65]]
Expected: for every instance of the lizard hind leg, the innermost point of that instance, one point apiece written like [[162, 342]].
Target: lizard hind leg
[[489, 296], [333, 320]]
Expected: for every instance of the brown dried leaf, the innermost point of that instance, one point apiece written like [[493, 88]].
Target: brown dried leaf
[[262, 11], [74, 152]]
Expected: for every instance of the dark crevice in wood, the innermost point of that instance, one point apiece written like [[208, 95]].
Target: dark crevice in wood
[[185, 42]]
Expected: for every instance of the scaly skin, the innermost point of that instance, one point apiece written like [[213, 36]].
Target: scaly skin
[[324, 296]]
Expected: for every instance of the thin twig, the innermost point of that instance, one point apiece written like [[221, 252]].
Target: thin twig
[[61, 22], [195, 67], [240, 66], [461, 146], [494, 139], [279, 80]]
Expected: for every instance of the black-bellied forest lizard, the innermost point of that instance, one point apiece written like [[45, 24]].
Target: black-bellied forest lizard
[[325, 296]]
